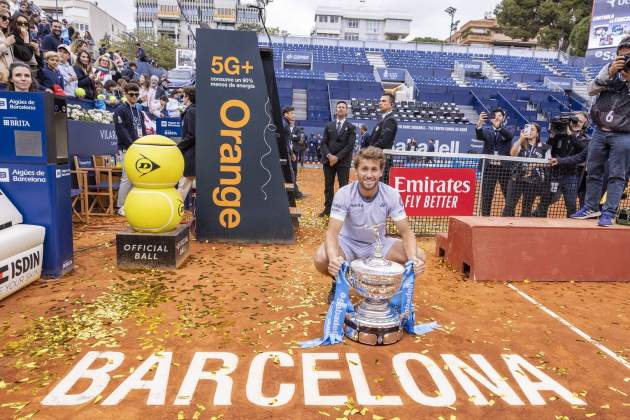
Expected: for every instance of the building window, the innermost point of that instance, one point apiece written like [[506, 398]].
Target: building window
[[323, 18], [351, 37], [373, 26], [352, 23], [334, 19]]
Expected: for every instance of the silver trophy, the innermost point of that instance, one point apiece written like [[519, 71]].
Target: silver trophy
[[376, 279]]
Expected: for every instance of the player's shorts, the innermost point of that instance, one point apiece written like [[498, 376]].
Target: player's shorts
[[353, 249]]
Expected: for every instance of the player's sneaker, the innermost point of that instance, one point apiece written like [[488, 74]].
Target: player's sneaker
[[585, 213], [605, 220]]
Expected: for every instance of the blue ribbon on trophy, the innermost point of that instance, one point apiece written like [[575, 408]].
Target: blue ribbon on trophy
[[333, 327], [403, 302]]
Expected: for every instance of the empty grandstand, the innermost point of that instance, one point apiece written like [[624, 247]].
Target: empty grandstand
[[532, 85]]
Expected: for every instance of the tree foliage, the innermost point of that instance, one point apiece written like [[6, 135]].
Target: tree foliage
[[427, 39], [159, 48], [550, 21], [579, 37], [257, 27]]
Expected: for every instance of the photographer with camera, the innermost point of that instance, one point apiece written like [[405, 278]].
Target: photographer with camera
[[569, 143], [497, 140], [611, 139], [527, 179]]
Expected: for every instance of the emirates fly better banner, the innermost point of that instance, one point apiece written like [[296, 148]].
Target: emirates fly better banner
[[435, 191]]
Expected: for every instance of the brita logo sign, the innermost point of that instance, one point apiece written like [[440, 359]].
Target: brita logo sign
[[14, 122]]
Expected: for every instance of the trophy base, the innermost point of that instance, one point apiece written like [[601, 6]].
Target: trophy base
[[372, 336]]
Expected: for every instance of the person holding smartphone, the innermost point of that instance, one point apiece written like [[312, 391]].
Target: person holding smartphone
[[611, 138], [527, 179], [497, 140]]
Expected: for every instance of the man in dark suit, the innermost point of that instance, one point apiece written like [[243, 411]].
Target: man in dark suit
[[384, 133], [292, 135], [187, 144], [364, 136], [129, 126], [337, 145]]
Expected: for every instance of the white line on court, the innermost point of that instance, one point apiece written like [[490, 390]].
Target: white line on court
[[571, 326]]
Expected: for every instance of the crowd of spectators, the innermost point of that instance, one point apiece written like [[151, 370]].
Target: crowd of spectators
[[59, 59]]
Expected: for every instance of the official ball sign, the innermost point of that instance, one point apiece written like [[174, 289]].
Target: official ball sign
[[435, 191]]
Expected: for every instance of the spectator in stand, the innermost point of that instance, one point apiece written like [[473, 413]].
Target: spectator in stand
[[20, 79], [169, 107], [140, 54], [102, 69], [67, 32], [99, 89], [49, 75], [384, 133], [33, 28], [70, 79], [51, 41], [117, 67], [83, 70], [497, 140], [102, 50], [6, 46], [153, 96], [4, 5], [77, 46], [130, 71], [112, 93], [87, 37], [25, 50], [187, 145], [43, 28], [129, 126], [24, 9], [164, 81], [526, 180], [144, 84]]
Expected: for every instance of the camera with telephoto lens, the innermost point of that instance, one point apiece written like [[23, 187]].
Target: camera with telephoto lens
[[560, 123]]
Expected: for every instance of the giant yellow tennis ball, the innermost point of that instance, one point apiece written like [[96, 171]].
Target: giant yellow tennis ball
[[154, 210], [154, 162]]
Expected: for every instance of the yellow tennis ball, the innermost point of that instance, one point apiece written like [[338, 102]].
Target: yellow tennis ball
[[154, 162], [154, 210]]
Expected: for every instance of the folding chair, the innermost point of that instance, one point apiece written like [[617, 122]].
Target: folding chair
[[79, 194], [105, 185]]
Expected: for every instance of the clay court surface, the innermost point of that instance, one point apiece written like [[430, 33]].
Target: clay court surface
[[247, 299]]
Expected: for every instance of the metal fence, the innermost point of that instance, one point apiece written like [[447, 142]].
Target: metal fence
[[504, 186]]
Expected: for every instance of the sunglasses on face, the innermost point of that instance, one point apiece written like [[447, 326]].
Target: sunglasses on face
[[133, 94], [25, 24], [5, 18]]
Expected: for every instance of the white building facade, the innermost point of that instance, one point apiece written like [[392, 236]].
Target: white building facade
[[84, 16], [164, 17], [357, 25]]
